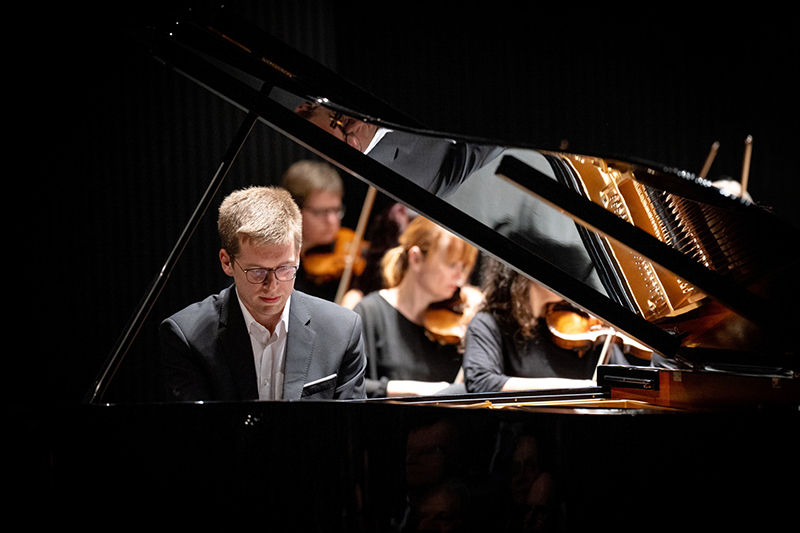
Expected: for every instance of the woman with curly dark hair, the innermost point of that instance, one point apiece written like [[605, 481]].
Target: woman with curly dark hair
[[507, 344]]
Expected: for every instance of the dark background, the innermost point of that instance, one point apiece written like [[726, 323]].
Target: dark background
[[117, 149]]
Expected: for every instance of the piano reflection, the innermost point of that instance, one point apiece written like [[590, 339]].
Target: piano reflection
[[705, 436]]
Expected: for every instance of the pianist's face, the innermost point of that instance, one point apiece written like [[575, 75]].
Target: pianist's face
[[265, 301], [320, 116]]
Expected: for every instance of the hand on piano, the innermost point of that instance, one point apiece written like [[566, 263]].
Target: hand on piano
[[405, 387], [732, 187]]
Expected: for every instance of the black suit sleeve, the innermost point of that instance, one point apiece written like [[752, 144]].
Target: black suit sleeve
[[184, 379], [484, 369]]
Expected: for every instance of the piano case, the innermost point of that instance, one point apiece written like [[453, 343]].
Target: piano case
[[710, 438]]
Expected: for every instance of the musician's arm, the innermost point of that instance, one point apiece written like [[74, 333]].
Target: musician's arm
[[483, 356], [484, 367], [397, 388], [184, 380], [520, 384]]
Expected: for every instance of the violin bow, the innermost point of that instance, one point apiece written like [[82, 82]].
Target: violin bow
[[604, 353], [748, 151], [710, 159], [347, 273]]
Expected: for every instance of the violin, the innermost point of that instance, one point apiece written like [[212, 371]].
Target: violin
[[575, 330], [446, 322], [322, 267]]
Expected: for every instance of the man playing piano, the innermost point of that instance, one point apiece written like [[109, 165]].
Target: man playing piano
[[260, 339]]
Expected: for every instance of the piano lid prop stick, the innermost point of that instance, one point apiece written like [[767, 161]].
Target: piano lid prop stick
[[710, 159], [748, 150]]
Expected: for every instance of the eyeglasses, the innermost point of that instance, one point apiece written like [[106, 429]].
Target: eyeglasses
[[308, 111], [260, 275], [336, 122], [326, 211]]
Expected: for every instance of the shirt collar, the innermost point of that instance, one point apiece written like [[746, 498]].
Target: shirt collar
[[257, 330], [376, 139]]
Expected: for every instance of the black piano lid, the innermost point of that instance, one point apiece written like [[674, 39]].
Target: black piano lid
[[259, 74]]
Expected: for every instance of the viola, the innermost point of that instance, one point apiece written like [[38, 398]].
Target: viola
[[575, 330], [322, 267], [446, 322]]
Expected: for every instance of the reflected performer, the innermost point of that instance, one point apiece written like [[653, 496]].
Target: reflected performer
[[318, 190], [432, 455], [531, 488], [359, 134], [437, 498], [260, 339], [438, 165], [444, 508], [508, 346], [442, 166], [428, 266]]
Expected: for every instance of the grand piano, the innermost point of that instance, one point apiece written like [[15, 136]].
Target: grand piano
[[705, 436]]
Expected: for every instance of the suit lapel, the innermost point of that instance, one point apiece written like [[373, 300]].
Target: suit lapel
[[299, 348], [235, 345]]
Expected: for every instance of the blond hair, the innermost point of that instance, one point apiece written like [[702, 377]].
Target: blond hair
[[265, 215], [428, 236], [305, 177]]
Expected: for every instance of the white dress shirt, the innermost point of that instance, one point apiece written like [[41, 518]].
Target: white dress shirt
[[269, 353], [376, 139]]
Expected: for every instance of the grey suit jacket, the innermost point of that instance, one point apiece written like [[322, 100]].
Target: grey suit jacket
[[206, 353]]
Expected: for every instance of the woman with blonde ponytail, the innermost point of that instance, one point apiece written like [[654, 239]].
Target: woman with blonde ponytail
[[428, 266]]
